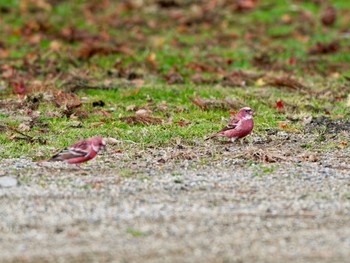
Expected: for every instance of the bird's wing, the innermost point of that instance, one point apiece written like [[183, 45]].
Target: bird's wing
[[83, 145], [231, 125], [68, 153]]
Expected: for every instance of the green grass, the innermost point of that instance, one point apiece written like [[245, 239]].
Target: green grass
[[176, 47], [135, 232]]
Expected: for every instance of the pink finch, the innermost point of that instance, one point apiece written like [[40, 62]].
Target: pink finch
[[81, 151], [240, 126]]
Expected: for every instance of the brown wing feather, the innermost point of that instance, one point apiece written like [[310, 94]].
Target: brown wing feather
[[78, 149], [82, 145], [231, 125], [68, 153]]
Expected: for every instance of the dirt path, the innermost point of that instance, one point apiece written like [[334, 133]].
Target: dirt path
[[182, 212]]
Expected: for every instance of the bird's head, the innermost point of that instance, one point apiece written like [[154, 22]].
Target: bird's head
[[245, 112], [98, 143]]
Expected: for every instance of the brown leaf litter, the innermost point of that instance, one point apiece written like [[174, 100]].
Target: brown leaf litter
[[212, 103], [285, 81], [324, 48], [240, 78], [264, 155], [21, 135], [66, 100], [329, 15], [88, 50]]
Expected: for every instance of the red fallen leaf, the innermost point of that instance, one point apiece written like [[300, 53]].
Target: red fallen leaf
[[343, 143], [338, 98], [292, 60], [117, 151], [279, 104], [232, 112], [19, 88]]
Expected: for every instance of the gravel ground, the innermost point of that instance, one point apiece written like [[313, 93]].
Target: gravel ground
[[181, 211]]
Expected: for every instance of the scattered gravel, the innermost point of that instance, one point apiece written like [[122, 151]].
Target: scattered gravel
[[178, 211]]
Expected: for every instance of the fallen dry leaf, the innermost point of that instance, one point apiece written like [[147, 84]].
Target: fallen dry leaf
[[263, 155], [285, 126], [111, 140], [328, 15], [88, 50], [23, 127], [144, 112], [282, 124], [96, 124], [66, 100], [309, 157], [173, 78], [199, 79], [324, 48]]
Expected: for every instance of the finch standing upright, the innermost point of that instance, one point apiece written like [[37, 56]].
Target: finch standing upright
[[240, 126]]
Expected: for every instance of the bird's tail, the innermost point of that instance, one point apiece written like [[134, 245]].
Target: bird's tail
[[211, 136], [46, 160]]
